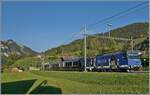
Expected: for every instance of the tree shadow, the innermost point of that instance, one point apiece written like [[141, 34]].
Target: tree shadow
[[43, 88], [17, 87]]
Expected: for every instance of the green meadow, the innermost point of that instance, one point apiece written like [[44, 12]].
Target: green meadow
[[56, 82]]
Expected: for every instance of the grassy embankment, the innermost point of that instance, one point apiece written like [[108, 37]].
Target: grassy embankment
[[74, 82]]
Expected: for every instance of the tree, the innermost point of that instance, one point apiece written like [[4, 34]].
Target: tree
[[25, 63]]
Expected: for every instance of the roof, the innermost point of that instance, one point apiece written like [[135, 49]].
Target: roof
[[110, 54], [72, 59]]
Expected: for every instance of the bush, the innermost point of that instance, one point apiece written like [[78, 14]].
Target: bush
[[25, 63]]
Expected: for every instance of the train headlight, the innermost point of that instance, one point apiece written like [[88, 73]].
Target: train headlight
[[124, 66], [140, 53]]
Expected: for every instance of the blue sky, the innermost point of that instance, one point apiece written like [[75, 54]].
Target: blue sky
[[44, 25]]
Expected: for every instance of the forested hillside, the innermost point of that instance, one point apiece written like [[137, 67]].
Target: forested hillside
[[97, 45]]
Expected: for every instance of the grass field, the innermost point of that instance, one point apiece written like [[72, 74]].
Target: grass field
[[75, 82]]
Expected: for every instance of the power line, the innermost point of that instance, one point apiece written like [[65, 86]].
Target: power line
[[126, 14], [119, 17], [115, 15], [70, 39], [105, 19]]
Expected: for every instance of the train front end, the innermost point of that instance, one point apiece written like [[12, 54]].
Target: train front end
[[134, 61]]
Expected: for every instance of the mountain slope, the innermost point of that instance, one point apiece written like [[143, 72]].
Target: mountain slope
[[136, 30], [12, 51], [97, 45], [10, 47]]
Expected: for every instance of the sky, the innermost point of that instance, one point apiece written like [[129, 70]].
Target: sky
[[45, 25]]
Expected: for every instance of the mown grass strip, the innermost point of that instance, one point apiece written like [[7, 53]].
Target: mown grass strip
[[79, 82]]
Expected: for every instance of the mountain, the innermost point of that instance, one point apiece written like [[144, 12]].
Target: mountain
[[136, 30], [10, 47], [97, 45], [12, 51]]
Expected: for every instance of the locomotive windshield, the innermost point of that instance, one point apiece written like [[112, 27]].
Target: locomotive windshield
[[133, 56]]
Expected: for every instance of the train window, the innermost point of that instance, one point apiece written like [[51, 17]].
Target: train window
[[75, 64], [79, 63], [68, 64]]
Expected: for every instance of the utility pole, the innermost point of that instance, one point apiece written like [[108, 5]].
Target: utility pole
[[109, 28], [131, 43], [62, 51], [43, 66], [85, 46]]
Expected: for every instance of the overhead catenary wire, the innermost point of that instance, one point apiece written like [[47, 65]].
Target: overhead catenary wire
[[70, 39], [126, 14], [120, 14], [119, 17], [115, 15], [95, 32], [104, 20]]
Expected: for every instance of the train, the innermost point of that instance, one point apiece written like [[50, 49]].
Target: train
[[117, 61]]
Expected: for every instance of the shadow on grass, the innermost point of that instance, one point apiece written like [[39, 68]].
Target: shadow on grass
[[43, 88], [17, 87], [22, 87]]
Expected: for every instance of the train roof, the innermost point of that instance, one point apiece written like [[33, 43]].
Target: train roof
[[76, 59], [72, 59], [135, 51], [110, 54]]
